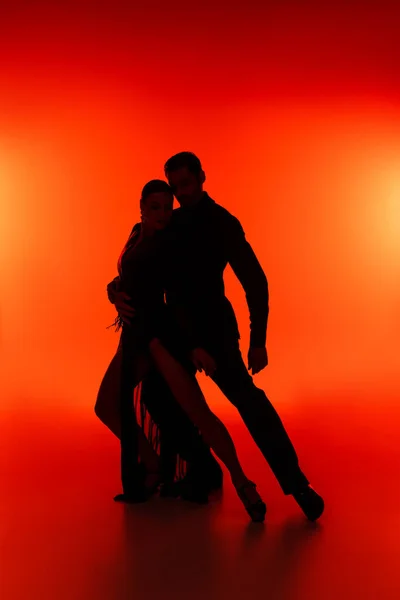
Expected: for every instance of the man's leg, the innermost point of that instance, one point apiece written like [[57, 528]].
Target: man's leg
[[262, 421]]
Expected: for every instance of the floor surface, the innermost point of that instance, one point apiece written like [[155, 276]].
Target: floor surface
[[63, 537]]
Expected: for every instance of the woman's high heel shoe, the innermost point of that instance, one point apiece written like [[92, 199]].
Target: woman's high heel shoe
[[256, 508]]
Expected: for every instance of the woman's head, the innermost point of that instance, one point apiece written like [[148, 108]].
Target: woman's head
[[156, 204]]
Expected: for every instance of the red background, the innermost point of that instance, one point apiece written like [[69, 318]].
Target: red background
[[294, 109]]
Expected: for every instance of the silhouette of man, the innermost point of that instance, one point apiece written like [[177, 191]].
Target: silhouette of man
[[206, 237]]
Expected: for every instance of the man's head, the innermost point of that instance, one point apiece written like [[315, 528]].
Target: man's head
[[186, 177]]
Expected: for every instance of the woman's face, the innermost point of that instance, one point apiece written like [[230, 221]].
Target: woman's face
[[157, 210]]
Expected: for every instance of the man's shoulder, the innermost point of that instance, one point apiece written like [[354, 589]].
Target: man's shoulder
[[224, 217], [212, 211], [218, 212], [222, 212]]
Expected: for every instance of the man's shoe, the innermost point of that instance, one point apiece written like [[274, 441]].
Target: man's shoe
[[170, 490], [193, 492], [311, 503], [210, 476], [215, 482]]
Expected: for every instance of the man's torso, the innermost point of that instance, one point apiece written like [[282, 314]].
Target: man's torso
[[195, 262]]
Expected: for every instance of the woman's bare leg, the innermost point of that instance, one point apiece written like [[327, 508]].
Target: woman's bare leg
[[107, 410], [189, 395]]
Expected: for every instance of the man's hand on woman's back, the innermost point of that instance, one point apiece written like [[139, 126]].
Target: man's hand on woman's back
[[112, 288], [120, 300]]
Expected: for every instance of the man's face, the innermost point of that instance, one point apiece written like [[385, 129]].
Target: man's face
[[186, 186]]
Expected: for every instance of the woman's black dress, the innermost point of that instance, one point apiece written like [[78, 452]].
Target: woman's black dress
[[142, 269]]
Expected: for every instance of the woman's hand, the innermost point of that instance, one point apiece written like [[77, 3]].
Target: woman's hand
[[203, 361]]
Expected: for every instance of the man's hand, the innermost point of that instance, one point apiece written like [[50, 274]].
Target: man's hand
[[112, 288], [203, 361], [257, 360], [124, 309], [118, 297]]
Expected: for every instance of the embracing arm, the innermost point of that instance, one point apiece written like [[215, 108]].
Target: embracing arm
[[112, 289], [120, 299]]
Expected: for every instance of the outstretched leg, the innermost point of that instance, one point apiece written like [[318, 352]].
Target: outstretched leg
[[189, 395], [203, 472], [264, 425]]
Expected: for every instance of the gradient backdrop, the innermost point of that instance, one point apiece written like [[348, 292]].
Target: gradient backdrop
[[294, 109]]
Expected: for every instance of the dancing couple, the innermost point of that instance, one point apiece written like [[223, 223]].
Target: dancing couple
[[175, 320]]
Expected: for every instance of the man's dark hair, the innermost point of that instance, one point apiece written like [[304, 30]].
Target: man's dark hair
[[182, 160], [155, 186]]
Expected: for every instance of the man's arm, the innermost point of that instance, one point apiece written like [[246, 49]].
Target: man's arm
[[121, 300], [248, 270], [112, 289]]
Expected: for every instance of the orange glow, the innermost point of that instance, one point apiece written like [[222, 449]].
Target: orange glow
[[310, 194]]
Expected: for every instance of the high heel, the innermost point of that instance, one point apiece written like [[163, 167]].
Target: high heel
[[256, 509]]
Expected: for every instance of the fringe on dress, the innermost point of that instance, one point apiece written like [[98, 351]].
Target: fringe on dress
[[144, 420]]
